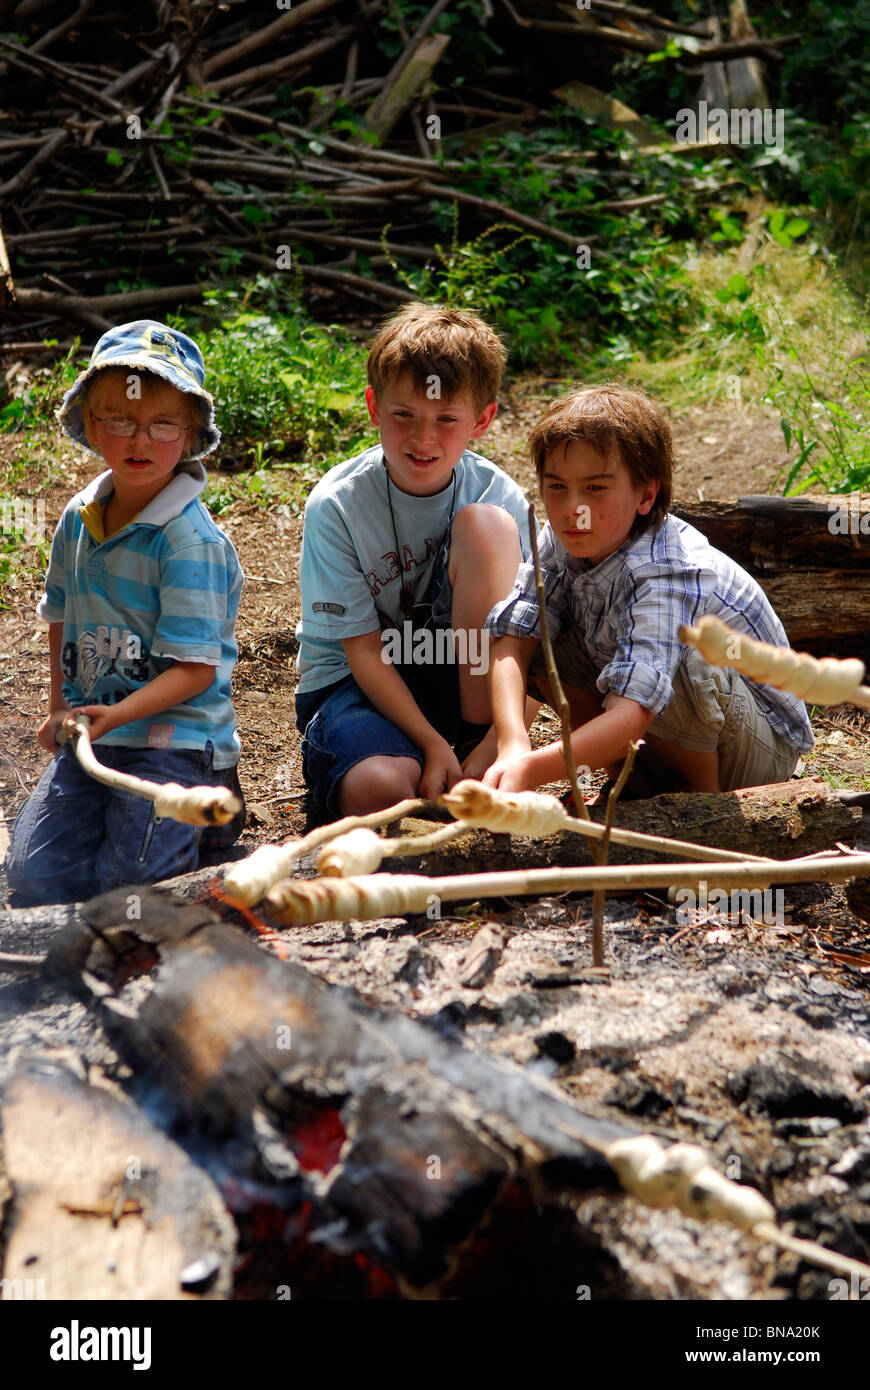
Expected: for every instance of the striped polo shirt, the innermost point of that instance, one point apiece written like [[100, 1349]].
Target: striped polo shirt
[[164, 588]]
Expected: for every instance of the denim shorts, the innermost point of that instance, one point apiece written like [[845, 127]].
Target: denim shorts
[[75, 837], [342, 727]]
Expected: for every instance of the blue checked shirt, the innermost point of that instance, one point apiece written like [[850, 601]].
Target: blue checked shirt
[[630, 606]]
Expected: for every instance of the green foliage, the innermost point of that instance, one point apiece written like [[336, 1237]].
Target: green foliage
[[275, 373], [32, 408], [472, 276], [553, 304], [788, 332], [830, 430]]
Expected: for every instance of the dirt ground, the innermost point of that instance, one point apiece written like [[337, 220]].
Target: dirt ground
[[722, 452]]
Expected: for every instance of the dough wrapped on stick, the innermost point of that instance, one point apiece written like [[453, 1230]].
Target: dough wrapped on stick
[[191, 805], [818, 680]]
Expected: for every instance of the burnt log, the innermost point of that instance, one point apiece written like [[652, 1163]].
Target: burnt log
[[398, 1140], [810, 555], [103, 1205]]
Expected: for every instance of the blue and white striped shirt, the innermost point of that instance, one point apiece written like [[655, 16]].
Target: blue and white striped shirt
[[164, 588], [630, 606]]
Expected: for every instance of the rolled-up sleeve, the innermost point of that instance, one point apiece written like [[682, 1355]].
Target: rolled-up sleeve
[[518, 615], [648, 650]]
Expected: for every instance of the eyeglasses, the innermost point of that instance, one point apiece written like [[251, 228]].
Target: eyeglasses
[[159, 431]]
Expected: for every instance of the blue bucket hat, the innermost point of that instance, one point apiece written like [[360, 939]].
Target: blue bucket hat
[[153, 347]]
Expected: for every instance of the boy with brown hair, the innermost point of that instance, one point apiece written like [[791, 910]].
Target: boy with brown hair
[[405, 550], [621, 574]]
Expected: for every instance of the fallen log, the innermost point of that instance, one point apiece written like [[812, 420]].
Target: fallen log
[[104, 1205], [779, 821], [808, 556]]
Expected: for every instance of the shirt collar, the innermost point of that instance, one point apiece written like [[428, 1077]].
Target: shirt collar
[[187, 482]]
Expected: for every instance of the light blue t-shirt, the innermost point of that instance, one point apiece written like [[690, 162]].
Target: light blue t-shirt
[[350, 575], [164, 588]]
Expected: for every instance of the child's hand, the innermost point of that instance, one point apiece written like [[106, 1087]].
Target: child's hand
[[47, 732], [510, 772], [480, 758], [440, 770], [103, 719]]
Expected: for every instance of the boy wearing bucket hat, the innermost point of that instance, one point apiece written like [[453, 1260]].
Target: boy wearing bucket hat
[[141, 597]]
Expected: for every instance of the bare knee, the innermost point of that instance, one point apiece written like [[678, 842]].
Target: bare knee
[[480, 530], [376, 783]]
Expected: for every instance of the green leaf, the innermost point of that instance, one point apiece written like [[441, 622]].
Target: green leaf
[[254, 215], [115, 158]]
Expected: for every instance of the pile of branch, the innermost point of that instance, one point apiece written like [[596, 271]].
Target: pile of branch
[[145, 145]]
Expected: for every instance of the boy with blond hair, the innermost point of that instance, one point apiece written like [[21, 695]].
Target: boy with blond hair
[[141, 598], [405, 550], [621, 574]]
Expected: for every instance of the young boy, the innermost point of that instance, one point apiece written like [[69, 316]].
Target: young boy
[[141, 598], [621, 575], [405, 550]]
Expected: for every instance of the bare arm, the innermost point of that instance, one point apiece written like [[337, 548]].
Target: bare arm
[[58, 707], [509, 667], [390, 695], [180, 682], [602, 740]]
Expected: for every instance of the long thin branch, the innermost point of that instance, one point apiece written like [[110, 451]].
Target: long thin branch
[[276, 30], [300, 901], [63, 28], [280, 66]]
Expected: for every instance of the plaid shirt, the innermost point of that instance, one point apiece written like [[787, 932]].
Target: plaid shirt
[[630, 606]]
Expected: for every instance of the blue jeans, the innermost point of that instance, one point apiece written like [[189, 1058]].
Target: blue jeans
[[74, 837]]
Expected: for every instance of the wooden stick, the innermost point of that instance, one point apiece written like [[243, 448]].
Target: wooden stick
[[502, 212], [391, 104], [60, 29], [375, 114], [248, 880], [536, 813], [301, 901], [280, 66], [562, 706], [190, 805], [276, 30], [361, 851]]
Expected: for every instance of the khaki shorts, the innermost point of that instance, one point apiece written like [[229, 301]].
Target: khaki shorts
[[713, 710]]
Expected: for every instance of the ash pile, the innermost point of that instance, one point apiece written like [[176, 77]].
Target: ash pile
[[406, 1108]]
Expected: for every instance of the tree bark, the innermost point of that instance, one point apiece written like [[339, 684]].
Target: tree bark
[[809, 554]]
